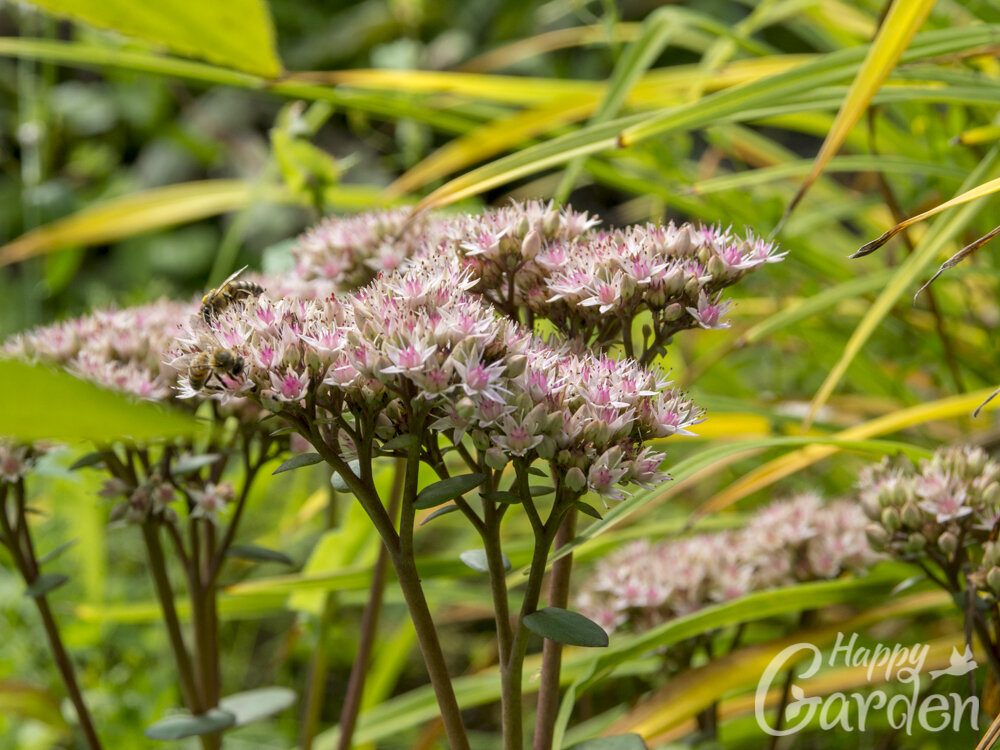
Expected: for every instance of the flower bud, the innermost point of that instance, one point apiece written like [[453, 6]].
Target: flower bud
[[716, 266], [692, 285], [522, 227], [877, 536], [496, 459], [991, 495], [993, 579], [948, 543], [531, 245], [891, 519], [576, 480], [547, 448], [516, 365], [465, 407], [910, 515], [550, 223], [480, 440], [673, 312], [915, 543]]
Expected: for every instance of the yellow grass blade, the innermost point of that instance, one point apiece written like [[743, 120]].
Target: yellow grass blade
[[131, 214], [901, 23], [779, 468], [980, 191], [930, 245]]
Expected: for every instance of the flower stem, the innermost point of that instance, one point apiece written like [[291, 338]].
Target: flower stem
[[548, 689], [369, 626], [27, 565]]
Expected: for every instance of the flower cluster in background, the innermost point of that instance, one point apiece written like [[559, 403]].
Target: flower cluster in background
[[117, 349], [945, 510], [420, 337], [644, 584], [532, 260]]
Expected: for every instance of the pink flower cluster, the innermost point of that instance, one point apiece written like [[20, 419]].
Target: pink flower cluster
[[644, 584], [535, 260], [345, 253], [118, 349], [940, 509], [420, 338]]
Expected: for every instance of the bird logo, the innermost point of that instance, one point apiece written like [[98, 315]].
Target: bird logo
[[961, 663]]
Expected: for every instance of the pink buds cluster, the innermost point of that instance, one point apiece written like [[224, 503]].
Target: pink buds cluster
[[418, 343], [533, 260], [643, 584], [945, 509]]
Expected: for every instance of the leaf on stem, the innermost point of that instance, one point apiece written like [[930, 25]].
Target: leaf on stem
[[504, 496], [255, 553], [53, 554], [89, 459], [398, 442], [443, 511], [447, 489], [590, 510], [254, 705], [45, 583], [476, 559], [564, 626], [296, 462], [186, 725]]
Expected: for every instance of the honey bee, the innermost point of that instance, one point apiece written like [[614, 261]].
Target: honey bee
[[228, 292], [205, 365]]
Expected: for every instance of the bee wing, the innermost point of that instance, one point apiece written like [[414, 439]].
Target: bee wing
[[231, 276]]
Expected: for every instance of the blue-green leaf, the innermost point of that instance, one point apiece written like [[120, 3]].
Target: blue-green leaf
[[447, 489], [185, 725], [254, 705], [567, 627], [295, 462]]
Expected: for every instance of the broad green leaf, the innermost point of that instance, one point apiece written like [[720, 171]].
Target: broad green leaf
[[932, 243], [447, 489], [185, 725], [298, 461], [897, 30], [254, 705], [564, 626], [476, 559], [236, 33], [256, 553], [45, 583], [57, 406], [128, 215]]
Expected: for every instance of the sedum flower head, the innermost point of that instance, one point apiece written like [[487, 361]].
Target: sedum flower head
[[944, 509], [536, 260], [420, 337], [644, 584]]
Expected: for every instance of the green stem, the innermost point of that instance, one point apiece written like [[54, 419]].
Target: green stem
[[548, 689], [165, 595], [28, 567], [369, 626]]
